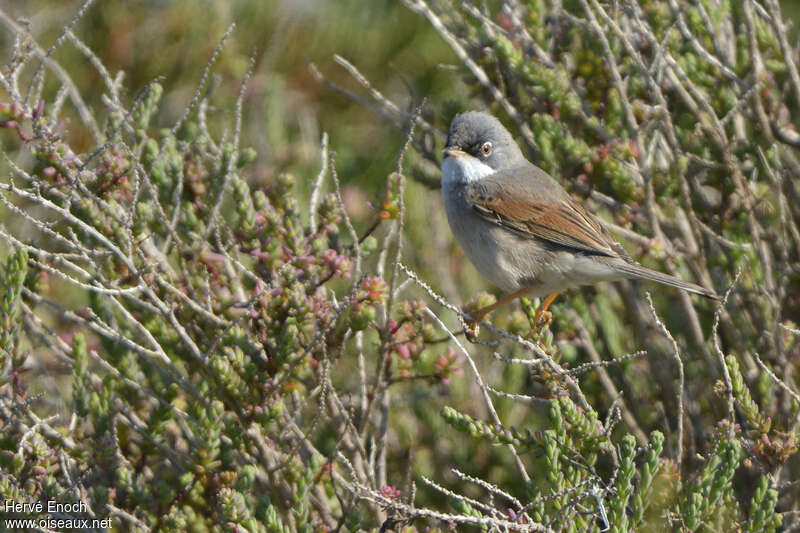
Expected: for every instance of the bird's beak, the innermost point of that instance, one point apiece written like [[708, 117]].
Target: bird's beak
[[453, 151]]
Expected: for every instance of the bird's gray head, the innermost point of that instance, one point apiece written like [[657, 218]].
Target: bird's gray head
[[480, 135]]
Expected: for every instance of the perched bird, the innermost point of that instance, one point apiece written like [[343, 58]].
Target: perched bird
[[519, 227]]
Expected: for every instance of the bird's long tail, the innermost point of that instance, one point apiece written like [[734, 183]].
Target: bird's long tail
[[638, 271]]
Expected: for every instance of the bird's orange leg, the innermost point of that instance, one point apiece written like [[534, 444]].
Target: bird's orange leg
[[543, 308], [478, 315]]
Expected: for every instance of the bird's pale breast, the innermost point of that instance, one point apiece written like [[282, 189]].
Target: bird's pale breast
[[489, 247]]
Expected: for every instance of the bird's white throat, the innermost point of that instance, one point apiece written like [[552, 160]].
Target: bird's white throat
[[463, 170]]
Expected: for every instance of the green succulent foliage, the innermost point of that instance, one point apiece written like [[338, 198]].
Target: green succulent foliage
[[12, 281]]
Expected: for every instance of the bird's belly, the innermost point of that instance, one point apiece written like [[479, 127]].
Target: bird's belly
[[513, 262], [490, 259], [503, 258]]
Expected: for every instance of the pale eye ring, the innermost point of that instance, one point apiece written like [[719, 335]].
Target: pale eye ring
[[486, 149]]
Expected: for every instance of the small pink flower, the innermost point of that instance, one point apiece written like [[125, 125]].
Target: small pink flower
[[390, 491], [403, 351]]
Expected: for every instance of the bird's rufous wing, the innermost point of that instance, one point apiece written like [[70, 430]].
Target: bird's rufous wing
[[530, 203]]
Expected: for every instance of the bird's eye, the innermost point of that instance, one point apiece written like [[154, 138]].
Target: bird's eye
[[486, 149]]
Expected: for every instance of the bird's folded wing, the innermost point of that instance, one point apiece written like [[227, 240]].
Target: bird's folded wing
[[519, 204]]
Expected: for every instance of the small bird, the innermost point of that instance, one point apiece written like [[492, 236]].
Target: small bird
[[519, 227]]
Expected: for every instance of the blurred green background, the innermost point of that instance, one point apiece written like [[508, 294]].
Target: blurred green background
[[286, 110]]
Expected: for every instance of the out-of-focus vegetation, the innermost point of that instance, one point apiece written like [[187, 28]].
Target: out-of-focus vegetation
[[195, 338], [288, 109]]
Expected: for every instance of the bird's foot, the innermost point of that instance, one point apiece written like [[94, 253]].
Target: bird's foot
[[542, 319], [474, 313], [472, 324], [544, 322], [472, 329]]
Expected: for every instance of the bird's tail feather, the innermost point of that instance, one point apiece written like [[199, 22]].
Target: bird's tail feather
[[638, 271]]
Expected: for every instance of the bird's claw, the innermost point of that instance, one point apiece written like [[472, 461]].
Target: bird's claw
[[472, 329], [472, 324], [543, 319]]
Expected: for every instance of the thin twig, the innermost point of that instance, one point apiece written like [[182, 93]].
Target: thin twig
[[677, 356]]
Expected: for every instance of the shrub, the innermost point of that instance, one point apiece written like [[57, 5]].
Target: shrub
[[244, 359]]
